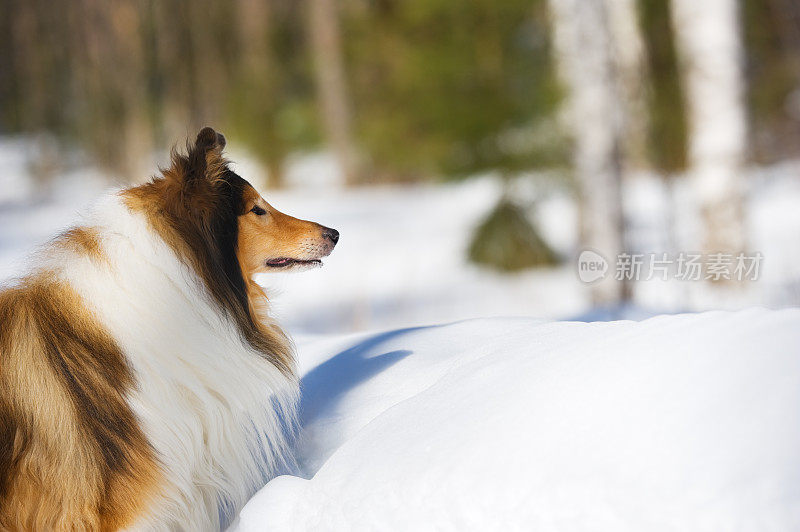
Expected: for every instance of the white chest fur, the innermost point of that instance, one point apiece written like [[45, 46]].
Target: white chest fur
[[216, 412]]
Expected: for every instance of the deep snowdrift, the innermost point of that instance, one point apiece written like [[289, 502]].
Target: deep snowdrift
[[688, 422]]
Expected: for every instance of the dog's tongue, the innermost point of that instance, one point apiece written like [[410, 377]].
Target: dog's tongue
[[278, 262]]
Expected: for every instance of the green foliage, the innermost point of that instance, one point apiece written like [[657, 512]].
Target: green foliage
[[772, 51], [119, 78], [507, 241], [667, 136], [452, 88], [437, 87]]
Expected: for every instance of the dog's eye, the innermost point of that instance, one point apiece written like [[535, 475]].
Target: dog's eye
[[258, 210]]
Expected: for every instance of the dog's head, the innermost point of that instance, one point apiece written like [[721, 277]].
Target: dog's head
[[270, 240], [267, 239], [221, 226], [215, 212]]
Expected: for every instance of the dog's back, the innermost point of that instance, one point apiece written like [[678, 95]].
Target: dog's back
[[71, 452], [127, 399]]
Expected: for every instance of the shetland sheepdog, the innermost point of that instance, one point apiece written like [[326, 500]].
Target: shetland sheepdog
[[143, 384]]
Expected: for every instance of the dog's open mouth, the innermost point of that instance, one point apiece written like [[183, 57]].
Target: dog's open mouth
[[285, 262]]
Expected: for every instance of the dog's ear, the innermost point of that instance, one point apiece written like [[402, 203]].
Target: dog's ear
[[205, 160], [209, 140]]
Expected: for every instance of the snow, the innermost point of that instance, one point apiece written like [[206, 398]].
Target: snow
[[685, 422]]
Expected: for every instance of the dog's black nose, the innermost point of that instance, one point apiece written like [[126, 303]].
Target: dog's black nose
[[332, 234]]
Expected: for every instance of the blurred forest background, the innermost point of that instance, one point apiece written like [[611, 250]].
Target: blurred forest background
[[587, 92]]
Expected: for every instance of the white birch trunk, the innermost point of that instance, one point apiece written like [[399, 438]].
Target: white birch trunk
[[709, 47], [583, 45]]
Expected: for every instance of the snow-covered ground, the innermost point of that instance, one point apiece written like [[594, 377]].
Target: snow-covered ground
[[685, 422]]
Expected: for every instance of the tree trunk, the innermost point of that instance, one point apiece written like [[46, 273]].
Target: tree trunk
[[629, 66], [331, 84], [258, 85], [276, 174], [111, 70], [709, 47], [583, 44]]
